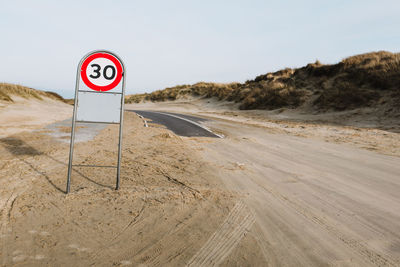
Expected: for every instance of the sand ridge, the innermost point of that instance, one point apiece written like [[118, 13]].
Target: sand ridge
[[29, 114], [272, 192]]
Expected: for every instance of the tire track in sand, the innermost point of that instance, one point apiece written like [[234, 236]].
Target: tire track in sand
[[226, 238]]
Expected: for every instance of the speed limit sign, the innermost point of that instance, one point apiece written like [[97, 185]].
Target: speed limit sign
[[101, 100], [101, 71]]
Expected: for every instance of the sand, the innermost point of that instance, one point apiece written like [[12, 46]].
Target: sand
[[168, 206], [30, 114], [274, 192], [320, 190]]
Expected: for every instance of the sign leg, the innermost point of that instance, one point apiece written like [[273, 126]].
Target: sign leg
[[121, 124], [120, 142], [71, 153], [71, 145]]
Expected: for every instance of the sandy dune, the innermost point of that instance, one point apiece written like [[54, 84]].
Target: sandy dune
[[271, 193], [28, 114], [168, 206]]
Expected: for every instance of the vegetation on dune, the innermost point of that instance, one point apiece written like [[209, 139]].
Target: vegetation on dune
[[8, 90], [173, 93], [358, 81]]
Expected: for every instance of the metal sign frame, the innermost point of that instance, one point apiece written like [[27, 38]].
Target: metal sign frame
[[74, 121]]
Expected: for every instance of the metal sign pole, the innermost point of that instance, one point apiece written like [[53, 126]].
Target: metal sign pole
[[120, 130], [74, 119], [71, 148]]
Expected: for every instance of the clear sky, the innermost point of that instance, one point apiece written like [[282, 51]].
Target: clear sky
[[168, 42]]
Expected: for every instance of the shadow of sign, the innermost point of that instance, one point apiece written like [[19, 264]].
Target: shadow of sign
[[19, 148]]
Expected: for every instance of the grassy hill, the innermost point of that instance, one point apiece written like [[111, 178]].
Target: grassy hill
[[7, 91], [364, 80]]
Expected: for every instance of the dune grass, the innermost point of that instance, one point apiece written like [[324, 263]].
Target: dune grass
[[7, 91], [357, 81]]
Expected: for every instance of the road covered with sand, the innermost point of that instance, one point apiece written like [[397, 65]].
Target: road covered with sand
[[273, 192], [320, 193]]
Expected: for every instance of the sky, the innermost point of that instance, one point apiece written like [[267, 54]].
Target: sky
[[164, 43]]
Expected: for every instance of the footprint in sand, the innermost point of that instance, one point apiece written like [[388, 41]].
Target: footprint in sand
[[39, 257], [44, 233], [19, 258], [16, 252], [75, 246]]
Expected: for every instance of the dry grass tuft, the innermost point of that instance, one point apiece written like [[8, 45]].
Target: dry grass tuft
[[8, 90], [358, 81]]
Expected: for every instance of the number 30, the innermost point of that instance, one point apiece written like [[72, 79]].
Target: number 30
[[98, 74]]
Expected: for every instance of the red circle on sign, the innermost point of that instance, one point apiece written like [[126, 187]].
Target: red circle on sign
[[98, 87]]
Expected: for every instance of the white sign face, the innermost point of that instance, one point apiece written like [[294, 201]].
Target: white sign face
[[99, 107], [101, 71]]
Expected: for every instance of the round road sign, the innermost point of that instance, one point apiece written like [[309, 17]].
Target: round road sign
[[101, 71]]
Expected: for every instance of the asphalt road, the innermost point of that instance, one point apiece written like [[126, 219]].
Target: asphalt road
[[180, 124]]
